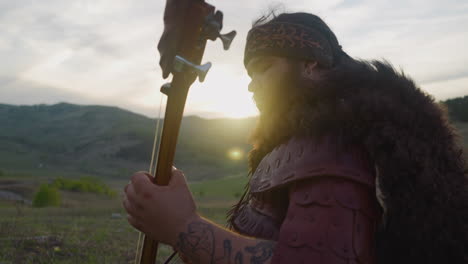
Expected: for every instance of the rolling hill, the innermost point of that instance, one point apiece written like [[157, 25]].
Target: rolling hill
[[73, 140]]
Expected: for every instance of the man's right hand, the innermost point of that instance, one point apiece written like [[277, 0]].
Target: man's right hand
[[173, 20]]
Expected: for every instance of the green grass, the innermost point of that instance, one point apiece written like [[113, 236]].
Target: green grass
[[222, 189], [64, 235], [83, 230]]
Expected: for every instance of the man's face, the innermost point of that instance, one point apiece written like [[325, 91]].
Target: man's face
[[270, 78]]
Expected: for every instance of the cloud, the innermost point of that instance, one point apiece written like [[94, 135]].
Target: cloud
[[25, 92], [447, 89], [424, 38], [104, 51]]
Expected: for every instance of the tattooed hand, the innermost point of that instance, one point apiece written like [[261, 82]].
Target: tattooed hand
[[161, 212]]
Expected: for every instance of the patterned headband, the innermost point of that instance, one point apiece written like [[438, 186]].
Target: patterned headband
[[288, 40]]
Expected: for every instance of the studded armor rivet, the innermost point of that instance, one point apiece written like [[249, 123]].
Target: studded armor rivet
[[288, 176], [264, 186], [259, 229], [294, 236], [243, 220]]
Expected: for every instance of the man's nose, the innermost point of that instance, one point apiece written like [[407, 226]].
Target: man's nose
[[252, 86]]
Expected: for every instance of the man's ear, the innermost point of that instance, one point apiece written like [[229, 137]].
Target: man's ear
[[309, 68]]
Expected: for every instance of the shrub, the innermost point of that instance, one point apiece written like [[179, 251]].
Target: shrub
[[85, 184], [47, 196], [458, 108], [201, 193]]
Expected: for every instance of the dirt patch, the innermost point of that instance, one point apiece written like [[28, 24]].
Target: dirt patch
[[14, 190]]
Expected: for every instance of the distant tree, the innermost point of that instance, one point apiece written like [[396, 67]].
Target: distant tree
[[84, 184], [1, 173], [47, 196], [201, 193], [458, 108]]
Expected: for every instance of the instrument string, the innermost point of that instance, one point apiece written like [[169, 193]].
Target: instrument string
[[152, 169]]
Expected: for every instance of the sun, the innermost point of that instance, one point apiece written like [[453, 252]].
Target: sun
[[224, 93], [235, 154]]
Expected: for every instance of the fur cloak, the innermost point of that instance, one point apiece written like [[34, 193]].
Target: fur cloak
[[422, 173]]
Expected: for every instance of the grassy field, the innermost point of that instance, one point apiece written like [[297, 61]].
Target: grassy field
[[91, 228]]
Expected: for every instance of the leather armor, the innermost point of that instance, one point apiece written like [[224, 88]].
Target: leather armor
[[317, 200]]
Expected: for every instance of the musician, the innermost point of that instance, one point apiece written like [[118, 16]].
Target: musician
[[351, 163]]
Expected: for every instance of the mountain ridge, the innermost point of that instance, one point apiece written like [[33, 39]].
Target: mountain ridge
[[73, 140], [108, 141]]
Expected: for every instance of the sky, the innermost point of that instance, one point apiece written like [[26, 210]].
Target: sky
[[104, 51]]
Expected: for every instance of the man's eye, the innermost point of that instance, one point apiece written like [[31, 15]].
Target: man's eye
[[263, 67], [259, 66]]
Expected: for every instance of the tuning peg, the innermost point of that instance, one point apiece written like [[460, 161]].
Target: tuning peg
[[166, 88], [227, 39], [212, 29], [201, 70]]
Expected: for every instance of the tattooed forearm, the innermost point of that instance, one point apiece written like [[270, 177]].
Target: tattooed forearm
[[227, 252], [261, 252], [198, 244], [239, 258], [258, 254]]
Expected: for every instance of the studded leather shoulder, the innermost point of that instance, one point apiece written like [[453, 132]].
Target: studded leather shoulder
[[250, 222], [303, 158], [330, 221]]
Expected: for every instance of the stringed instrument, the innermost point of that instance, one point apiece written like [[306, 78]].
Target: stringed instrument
[[199, 23]]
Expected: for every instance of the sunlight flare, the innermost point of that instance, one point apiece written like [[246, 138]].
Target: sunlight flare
[[235, 154]]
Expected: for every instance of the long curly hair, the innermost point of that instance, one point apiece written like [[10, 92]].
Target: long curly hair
[[422, 171]]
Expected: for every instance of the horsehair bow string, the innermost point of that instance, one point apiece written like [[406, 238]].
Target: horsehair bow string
[[196, 25]]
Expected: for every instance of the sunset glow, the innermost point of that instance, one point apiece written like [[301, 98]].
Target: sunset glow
[[235, 154]]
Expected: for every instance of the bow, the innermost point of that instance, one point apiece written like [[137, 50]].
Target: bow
[[188, 26]]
